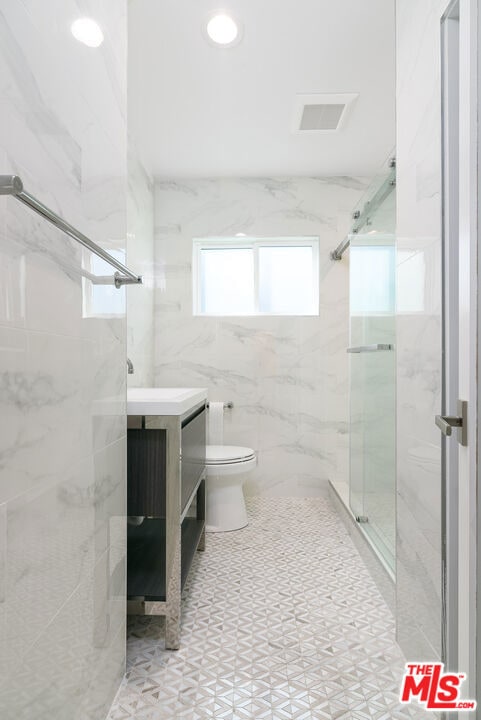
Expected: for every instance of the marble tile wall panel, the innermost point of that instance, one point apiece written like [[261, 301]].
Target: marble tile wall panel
[[419, 328], [140, 257], [62, 366], [287, 376]]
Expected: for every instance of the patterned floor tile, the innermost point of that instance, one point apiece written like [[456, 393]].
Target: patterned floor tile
[[281, 621]]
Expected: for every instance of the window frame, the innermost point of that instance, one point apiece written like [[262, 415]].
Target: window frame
[[253, 243]]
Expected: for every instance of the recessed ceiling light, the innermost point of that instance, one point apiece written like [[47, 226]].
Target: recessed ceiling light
[[222, 30], [88, 32]]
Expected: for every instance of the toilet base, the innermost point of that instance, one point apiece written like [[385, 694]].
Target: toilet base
[[225, 504]]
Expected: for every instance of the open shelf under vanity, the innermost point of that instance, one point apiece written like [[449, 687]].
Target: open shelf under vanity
[[146, 569], [166, 506]]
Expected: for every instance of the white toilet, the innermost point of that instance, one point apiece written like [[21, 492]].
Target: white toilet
[[227, 466]]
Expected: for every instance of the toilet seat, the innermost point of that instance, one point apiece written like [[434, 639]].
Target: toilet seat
[[227, 455]]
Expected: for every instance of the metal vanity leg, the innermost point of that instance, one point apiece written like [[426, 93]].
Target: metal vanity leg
[[201, 512], [173, 535], [172, 629], [172, 615], [201, 545]]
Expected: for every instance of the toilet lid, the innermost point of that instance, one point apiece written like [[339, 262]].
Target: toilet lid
[[219, 454]]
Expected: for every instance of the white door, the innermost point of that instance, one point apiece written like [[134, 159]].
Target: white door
[[460, 357]]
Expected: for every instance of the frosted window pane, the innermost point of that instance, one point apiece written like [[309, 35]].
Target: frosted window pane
[[104, 299], [286, 280], [372, 284], [227, 281]]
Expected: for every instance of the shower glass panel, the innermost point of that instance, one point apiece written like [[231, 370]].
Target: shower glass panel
[[372, 379]]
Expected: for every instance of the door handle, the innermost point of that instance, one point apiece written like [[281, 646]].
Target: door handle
[[446, 423]]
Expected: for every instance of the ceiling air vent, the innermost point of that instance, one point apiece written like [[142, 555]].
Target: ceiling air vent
[[321, 112]]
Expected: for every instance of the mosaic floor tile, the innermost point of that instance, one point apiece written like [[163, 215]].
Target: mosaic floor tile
[[281, 621]]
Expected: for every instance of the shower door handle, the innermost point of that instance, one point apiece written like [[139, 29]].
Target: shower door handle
[[379, 347], [446, 423]]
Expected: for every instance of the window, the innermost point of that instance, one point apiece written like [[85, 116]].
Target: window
[[372, 279], [246, 276], [100, 296]]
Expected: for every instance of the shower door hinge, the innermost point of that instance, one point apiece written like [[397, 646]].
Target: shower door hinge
[[362, 518]]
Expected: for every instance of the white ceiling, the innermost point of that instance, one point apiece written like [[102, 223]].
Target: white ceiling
[[196, 110]]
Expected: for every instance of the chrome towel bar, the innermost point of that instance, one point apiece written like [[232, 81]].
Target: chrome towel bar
[[12, 185], [380, 347], [227, 405]]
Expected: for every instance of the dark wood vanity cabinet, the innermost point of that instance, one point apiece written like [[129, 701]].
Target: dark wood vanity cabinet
[[192, 453], [146, 472], [166, 508]]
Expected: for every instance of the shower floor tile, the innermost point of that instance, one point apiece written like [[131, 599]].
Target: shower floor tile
[[281, 621]]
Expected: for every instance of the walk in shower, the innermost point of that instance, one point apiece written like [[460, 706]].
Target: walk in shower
[[372, 366], [373, 371]]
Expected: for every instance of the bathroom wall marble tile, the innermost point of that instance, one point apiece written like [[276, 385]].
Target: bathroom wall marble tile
[[419, 326], [86, 501], [62, 366], [53, 676], [3, 550], [140, 257], [287, 376]]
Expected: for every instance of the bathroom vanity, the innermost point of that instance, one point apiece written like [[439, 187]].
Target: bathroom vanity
[[166, 438]]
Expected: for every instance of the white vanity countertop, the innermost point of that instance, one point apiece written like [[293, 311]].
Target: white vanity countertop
[[163, 401]]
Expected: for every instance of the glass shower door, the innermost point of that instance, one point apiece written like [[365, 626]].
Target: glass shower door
[[372, 389]]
